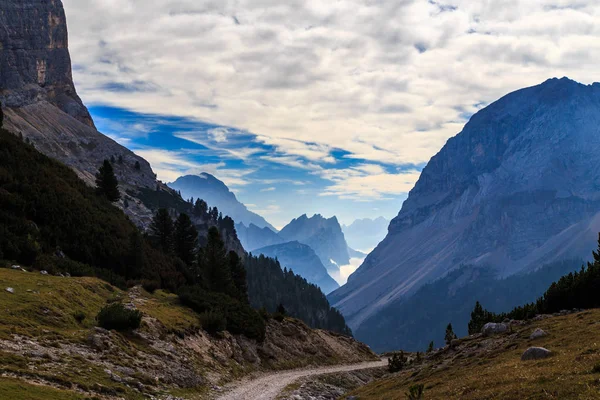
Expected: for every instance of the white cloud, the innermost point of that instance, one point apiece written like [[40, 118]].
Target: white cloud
[[385, 81], [170, 165], [269, 189]]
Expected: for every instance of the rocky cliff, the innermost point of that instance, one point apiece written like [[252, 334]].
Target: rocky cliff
[[41, 104], [517, 188], [253, 237], [324, 236]]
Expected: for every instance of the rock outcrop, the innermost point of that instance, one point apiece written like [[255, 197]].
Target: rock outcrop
[[516, 189], [324, 236], [535, 353], [492, 328]]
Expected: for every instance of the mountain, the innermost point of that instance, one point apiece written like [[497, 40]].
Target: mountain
[[519, 187], [365, 234], [41, 104], [216, 193], [301, 259], [324, 236], [253, 237]]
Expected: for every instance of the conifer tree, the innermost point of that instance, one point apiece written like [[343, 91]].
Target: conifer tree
[[200, 208], [218, 273], [161, 231], [430, 348], [185, 239], [106, 182], [450, 336], [238, 274]]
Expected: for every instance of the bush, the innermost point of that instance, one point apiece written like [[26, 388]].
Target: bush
[[150, 286], [596, 368], [396, 362], [264, 314], [213, 322], [79, 316], [415, 392], [116, 316], [279, 317], [240, 317]]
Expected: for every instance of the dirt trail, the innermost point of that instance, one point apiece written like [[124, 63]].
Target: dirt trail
[[267, 387]]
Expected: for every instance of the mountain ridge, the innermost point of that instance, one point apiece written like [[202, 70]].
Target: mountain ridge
[[520, 174]]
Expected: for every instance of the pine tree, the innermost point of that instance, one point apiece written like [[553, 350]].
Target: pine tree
[[185, 239], [161, 231], [137, 257], [478, 319], [200, 208], [106, 182], [430, 348], [450, 336], [238, 274], [218, 274]]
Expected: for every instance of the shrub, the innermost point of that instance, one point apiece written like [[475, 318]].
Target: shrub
[[596, 368], [213, 322], [116, 316], [396, 362], [415, 392], [264, 314], [150, 286], [240, 317], [279, 317], [79, 316]]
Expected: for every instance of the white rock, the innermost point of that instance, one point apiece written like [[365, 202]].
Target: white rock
[[492, 328], [16, 267], [10, 290], [538, 333], [44, 272]]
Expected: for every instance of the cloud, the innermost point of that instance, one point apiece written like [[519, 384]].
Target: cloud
[[170, 165], [269, 189], [381, 82], [368, 182]]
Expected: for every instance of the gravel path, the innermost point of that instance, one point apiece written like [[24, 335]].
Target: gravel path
[[267, 387]]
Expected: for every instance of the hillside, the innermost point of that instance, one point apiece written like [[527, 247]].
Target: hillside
[[301, 259], [480, 367], [252, 237], [208, 188], [516, 189], [51, 349]]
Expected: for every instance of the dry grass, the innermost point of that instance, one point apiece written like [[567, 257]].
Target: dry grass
[[474, 373]]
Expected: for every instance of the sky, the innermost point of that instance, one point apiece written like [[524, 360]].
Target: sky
[[330, 107]]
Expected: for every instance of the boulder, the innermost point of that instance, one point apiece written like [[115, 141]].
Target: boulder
[[10, 290], [538, 333], [492, 328], [535, 353]]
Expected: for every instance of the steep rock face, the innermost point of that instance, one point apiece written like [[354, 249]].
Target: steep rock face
[[253, 237], [518, 187], [301, 259], [34, 57], [324, 236], [40, 102], [208, 188]]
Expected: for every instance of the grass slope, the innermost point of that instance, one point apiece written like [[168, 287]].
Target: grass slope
[[498, 373]]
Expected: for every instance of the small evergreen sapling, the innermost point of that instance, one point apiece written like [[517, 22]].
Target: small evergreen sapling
[[450, 336]]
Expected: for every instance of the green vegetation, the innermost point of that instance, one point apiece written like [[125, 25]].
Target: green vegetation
[[116, 316], [106, 182], [15, 389], [415, 392], [474, 373], [213, 322], [450, 335], [396, 362], [269, 286]]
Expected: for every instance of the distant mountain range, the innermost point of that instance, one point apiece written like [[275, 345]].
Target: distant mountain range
[[518, 188], [365, 234], [303, 261], [208, 188]]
